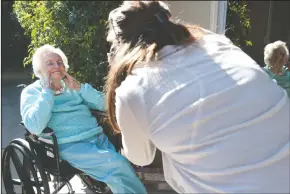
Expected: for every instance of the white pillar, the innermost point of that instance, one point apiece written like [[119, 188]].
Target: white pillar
[[222, 16]]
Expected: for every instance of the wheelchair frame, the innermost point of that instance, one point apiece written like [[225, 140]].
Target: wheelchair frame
[[39, 154]]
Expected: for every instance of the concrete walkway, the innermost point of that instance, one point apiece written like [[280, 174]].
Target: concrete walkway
[[153, 181], [155, 184], [10, 104]]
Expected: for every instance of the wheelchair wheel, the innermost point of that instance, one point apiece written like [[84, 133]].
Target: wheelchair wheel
[[94, 185], [30, 177]]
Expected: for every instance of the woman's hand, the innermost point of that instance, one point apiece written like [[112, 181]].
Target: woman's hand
[[47, 82], [72, 82]]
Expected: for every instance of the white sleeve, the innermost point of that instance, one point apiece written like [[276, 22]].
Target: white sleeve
[[137, 147]]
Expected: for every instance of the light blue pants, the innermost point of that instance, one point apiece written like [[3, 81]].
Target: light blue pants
[[97, 157]]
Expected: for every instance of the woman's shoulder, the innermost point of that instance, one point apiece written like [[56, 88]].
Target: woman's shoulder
[[132, 84], [33, 87], [210, 36]]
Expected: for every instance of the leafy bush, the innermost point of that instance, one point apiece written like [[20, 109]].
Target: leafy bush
[[238, 23], [77, 27]]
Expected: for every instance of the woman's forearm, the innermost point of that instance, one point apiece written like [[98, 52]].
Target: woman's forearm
[[93, 98], [36, 109]]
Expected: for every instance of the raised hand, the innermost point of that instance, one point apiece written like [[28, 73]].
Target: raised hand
[[47, 82], [71, 82]]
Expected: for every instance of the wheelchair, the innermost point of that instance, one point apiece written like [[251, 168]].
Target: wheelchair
[[40, 168]]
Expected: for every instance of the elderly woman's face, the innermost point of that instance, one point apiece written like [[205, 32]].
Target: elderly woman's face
[[52, 64]]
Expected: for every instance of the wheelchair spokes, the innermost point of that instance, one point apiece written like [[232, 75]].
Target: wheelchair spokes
[[6, 174], [32, 172], [29, 181]]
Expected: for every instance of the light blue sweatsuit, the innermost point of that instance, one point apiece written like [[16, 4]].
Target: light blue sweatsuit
[[282, 80], [81, 141]]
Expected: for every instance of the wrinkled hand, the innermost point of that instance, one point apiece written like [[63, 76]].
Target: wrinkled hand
[[47, 82], [72, 82]]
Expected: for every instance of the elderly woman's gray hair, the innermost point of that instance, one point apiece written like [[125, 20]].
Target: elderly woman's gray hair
[[37, 62], [275, 52]]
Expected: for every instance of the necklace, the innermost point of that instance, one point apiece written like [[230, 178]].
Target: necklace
[[58, 92], [55, 92]]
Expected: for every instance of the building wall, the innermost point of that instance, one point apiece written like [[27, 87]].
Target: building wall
[[194, 12]]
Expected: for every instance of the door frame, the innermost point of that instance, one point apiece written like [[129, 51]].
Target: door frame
[[218, 16]]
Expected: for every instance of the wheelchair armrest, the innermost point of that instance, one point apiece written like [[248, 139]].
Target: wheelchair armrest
[[98, 113], [101, 116], [22, 124], [46, 132]]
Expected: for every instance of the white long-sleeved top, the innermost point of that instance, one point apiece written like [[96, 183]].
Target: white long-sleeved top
[[221, 123]]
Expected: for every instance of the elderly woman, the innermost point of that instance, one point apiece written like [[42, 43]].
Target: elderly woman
[[276, 57], [221, 124], [60, 102]]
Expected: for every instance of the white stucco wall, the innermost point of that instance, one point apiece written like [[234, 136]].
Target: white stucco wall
[[208, 14]]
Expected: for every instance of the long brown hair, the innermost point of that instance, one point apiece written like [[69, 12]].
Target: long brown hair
[[139, 29]]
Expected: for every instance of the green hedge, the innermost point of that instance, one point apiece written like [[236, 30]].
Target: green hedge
[[238, 23], [77, 27]]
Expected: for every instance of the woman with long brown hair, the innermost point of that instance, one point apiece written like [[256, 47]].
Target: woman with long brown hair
[[221, 123]]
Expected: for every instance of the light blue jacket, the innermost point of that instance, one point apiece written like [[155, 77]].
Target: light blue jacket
[[282, 80], [67, 114]]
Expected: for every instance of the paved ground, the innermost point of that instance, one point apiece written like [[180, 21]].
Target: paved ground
[[76, 183], [153, 184], [10, 105]]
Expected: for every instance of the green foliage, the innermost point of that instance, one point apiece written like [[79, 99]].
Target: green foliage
[[238, 23], [77, 27]]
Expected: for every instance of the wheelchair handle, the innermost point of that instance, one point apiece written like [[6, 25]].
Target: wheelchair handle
[[21, 124], [47, 131], [56, 153]]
